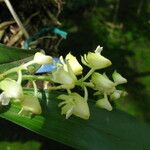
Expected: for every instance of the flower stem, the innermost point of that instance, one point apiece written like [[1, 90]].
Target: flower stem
[[28, 63], [56, 87], [88, 74], [85, 93], [35, 88], [69, 91], [19, 77], [36, 77], [16, 69]]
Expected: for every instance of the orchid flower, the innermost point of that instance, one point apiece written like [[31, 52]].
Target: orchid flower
[[42, 59], [73, 62], [96, 60], [74, 104], [11, 88], [102, 83]]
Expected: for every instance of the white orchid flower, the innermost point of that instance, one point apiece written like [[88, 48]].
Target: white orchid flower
[[42, 59], [11, 88], [73, 62], [63, 77], [102, 83], [74, 104], [96, 60]]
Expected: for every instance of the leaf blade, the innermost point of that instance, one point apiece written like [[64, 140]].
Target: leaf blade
[[104, 130]]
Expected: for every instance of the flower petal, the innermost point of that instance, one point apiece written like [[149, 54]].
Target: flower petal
[[74, 64]]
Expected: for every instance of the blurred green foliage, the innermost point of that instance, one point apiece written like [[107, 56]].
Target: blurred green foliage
[[31, 145]]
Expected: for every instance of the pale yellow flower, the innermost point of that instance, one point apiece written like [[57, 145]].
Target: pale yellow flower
[[74, 104], [73, 62], [42, 59], [95, 60], [11, 88], [102, 83], [63, 77]]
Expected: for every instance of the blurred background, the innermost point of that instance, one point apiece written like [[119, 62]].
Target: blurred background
[[122, 27]]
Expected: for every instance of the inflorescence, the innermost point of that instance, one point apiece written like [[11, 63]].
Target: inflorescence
[[65, 76]]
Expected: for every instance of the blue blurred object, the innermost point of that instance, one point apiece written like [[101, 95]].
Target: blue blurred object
[[62, 33], [48, 67], [40, 33]]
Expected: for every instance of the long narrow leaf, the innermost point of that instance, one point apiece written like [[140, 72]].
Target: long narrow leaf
[[104, 130]]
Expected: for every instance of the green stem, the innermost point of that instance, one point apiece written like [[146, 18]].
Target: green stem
[[69, 91], [105, 96], [56, 87], [89, 84], [28, 63], [88, 74], [85, 93], [19, 77], [35, 77], [35, 88], [16, 69]]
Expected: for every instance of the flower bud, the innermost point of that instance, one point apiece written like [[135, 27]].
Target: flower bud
[[118, 79], [104, 103], [42, 59], [95, 60], [115, 95], [11, 88], [31, 104], [102, 83]]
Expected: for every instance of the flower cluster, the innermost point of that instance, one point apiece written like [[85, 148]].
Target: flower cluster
[[12, 90], [67, 75]]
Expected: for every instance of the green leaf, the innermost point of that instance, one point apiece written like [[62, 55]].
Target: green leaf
[[11, 57], [10, 54], [104, 130]]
